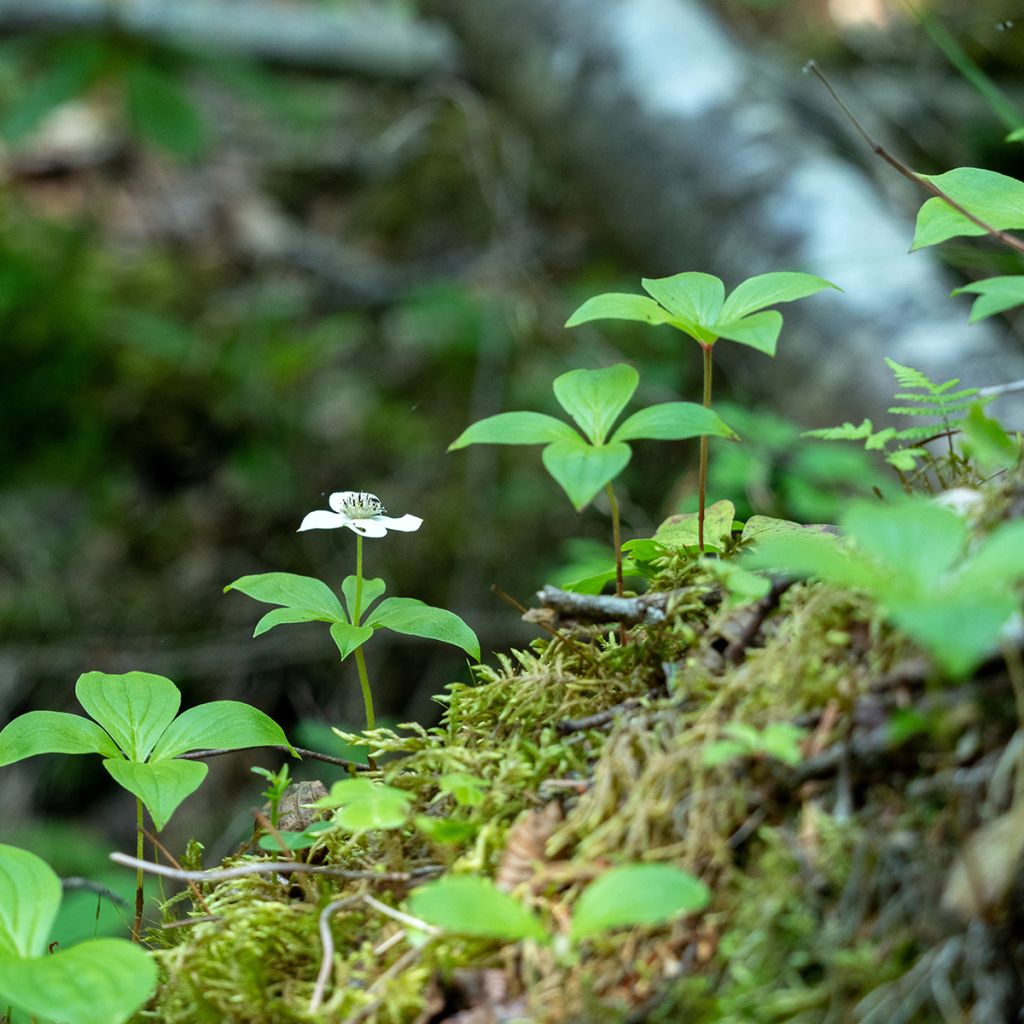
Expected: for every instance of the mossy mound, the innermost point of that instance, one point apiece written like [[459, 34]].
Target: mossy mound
[[836, 895]]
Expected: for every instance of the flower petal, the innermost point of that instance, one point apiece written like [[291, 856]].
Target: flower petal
[[368, 527], [321, 519], [405, 523], [338, 498]]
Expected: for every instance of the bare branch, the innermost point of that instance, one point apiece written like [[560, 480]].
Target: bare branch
[[366, 42]]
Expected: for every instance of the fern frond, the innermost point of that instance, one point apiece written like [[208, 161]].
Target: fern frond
[[908, 377], [847, 432]]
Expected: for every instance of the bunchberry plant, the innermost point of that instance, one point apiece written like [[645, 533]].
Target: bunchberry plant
[[623, 897], [100, 981], [306, 599], [913, 559], [135, 727], [584, 464], [696, 304]]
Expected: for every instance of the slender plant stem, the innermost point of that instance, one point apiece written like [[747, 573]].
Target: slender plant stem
[[616, 539], [364, 680], [704, 449], [139, 850]]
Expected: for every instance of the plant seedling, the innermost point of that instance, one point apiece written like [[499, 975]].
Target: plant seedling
[[583, 465], [781, 740], [912, 559], [307, 599], [696, 304], [623, 897], [277, 783], [100, 981], [135, 727]]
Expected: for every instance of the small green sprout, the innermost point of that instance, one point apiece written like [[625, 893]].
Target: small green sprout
[[583, 465], [696, 304], [780, 740], [278, 783]]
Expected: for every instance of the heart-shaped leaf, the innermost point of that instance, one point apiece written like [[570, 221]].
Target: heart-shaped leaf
[[595, 398], [582, 469], [467, 905], [673, 421], [221, 724], [30, 896], [514, 428], [414, 618], [348, 637], [372, 589], [134, 708], [367, 805], [636, 894], [102, 981], [53, 732], [160, 785], [692, 297], [758, 331], [292, 591], [681, 531]]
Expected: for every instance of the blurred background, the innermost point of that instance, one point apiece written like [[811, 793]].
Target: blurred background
[[253, 252]]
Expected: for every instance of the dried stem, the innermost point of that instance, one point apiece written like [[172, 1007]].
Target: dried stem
[[706, 348]]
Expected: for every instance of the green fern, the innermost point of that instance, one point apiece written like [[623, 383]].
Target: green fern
[[926, 398]]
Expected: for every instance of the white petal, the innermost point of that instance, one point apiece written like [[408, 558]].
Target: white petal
[[321, 519], [338, 498], [406, 523], [368, 527]]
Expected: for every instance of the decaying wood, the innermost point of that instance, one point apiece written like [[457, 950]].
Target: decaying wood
[[648, 609]]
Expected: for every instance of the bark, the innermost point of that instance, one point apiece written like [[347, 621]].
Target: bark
[[692, 153], [360, 41]]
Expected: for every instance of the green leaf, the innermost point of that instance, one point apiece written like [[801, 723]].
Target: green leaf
[[284, 616], [160, 785], [595, 398], [673, 421], [372, 589], [721, 751], [768, 289], [636, 894], [915, 543], [996, 295], [348, 637], [292, 591], [619, 306], [468, 790], [30, 894], [1017, 135], [999, 561], [414, 618], [53, 732], [783, 741], [447, 831], [161, 111], [514, 428], [102, 981], [994, 198], [741, 587], [367, 805], [680, 531], [582, 470], [468, 905], [134, 708], [758, 331], [693, 297], [220, 725], [759, 527], [987, 443], [811, 554]]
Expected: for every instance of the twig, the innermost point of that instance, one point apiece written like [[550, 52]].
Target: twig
[[327, 941], [274, 867], [396, 915], [170, 856], [358, 766], [648, 609], [567, 726], [756, 613], [1009, 240], [75, 882], [1001, 389]]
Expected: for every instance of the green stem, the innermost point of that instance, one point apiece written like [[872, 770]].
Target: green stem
[[704, 450], [616, 539], [364, 680], [139, 850]]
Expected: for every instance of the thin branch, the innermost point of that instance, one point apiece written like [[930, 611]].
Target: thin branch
[[649, 609], [1002, 389], [1009, 240], [358, 766], [756, 614], [368, 42], [175, 863], [327, 941], [77, 883], [274, 867]]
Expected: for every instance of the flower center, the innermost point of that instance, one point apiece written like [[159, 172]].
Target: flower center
[[362, 505]]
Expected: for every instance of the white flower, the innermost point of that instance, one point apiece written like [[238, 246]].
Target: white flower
[[361, 512]]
